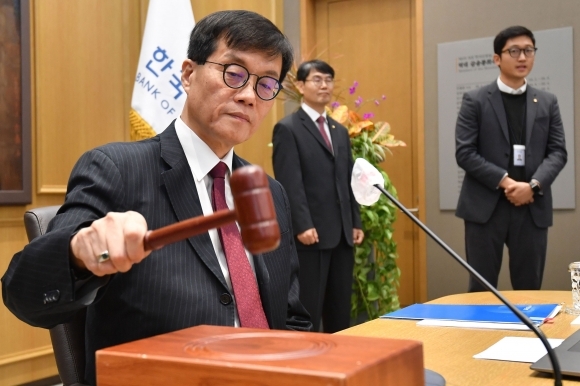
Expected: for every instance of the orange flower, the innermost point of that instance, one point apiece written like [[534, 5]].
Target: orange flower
[[340, 114]]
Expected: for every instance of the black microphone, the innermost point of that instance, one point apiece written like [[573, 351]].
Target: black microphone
[[366, 178]]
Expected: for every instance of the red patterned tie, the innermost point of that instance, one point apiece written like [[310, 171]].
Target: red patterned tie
[[320, 121], [244, 283]]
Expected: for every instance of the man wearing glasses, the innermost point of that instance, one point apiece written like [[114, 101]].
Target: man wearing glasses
[[510, 142], [93, 254], [313, 161]]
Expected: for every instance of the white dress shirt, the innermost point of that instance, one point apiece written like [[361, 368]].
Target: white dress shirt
[[201, 160], [508, 90], [313, 114]]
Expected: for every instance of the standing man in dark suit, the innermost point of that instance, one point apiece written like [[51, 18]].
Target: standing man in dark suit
[[510, 142], [313, 161], [93, 254]]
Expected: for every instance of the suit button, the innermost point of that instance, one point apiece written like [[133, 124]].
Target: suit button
[[51, 296], [225, 299], [507, 155]]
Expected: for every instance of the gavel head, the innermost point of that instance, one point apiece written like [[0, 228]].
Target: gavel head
[[254, 208]]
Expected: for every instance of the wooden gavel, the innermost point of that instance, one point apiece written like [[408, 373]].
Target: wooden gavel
[[254, 211]]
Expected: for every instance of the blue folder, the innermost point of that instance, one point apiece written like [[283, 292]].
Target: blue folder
[[473, 312]]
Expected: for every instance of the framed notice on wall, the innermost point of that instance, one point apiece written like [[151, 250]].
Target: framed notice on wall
[[467, 65], [15, 157]]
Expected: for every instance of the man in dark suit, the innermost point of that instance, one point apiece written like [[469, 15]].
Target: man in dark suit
[[510, 142], [93, 254], [313, 161]]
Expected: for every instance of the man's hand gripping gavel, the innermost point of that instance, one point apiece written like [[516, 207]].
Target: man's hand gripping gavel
[[125, 240], [254, 212]]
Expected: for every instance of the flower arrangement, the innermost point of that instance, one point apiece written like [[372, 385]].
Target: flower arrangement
[[376, 275], [363, 127]]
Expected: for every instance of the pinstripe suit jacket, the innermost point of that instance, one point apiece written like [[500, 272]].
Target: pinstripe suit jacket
[[178, 286]]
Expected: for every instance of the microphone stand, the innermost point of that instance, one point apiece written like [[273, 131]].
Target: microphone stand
[[485, 283]]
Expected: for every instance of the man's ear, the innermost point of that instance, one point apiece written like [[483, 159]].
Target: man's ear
[[497, 60], [300, 86], [187, 71]]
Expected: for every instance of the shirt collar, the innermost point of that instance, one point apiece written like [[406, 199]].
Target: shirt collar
[[313, 114], [199, 155], [508, 90]]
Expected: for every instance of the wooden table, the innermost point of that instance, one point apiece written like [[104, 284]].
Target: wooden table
[[449, 351]]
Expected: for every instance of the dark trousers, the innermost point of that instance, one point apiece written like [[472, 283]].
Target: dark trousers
[[527, 244], [326, 285]]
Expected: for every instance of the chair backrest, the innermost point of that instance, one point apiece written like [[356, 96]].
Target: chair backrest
[[68, 339]]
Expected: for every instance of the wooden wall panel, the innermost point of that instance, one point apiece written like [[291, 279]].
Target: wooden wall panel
[[308, 44], [24, 368], [418, 118], [371, 41], [81, 74]]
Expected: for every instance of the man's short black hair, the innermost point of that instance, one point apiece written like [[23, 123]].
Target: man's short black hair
[[240, 30], [319, 65], [509, 33]]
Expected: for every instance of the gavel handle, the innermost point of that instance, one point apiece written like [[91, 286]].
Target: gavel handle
[[179, 231]]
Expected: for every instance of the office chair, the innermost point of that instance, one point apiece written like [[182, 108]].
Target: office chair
[[68, 339]]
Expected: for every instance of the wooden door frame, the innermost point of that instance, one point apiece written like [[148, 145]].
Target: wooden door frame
[[307, 46], [418, 118]]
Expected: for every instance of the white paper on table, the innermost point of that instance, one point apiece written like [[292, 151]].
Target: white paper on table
[[576, 321], [463, 324], [517, 349]]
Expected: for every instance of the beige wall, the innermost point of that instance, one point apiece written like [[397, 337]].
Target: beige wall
[[84, 58], [452, 20]]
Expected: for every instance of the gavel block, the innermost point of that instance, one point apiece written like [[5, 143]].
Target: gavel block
[[213, 355], [254, 211]]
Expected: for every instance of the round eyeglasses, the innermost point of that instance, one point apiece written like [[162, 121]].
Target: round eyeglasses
[[317, 80], [236, 76], [515, 52]]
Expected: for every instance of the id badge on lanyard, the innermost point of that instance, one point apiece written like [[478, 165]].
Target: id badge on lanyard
[[519, 155]]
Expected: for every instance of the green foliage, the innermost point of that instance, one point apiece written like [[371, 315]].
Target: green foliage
[[376, 275]]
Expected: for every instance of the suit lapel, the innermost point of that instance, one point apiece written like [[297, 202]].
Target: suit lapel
[[497, 104], [263, 279], [312, 128], [334, 133], [183, 196], [531, 110]]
